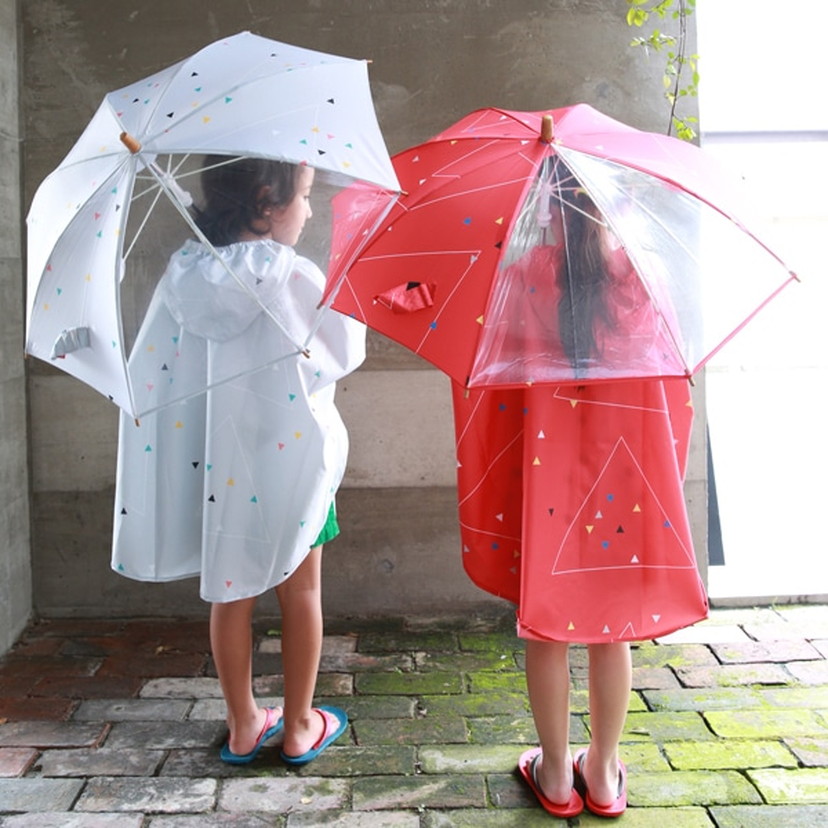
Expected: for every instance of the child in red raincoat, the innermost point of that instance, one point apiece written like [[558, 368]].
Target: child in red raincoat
[[571, 496]]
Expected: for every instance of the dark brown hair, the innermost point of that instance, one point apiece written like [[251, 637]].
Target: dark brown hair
[[237, 193]]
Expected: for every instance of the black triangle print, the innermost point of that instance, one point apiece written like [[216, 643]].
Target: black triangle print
[[499, 245], [259, 280], [331, 100], [195, 464], [194, 75], [171, 114], [212, 499], [321, 152], [551, 512], [123, 511], [164, 367], [619, 530]]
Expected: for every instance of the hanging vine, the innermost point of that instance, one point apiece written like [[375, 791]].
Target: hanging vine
[[681, 76]]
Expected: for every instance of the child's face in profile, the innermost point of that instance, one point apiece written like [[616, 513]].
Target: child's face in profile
[[287, 223]]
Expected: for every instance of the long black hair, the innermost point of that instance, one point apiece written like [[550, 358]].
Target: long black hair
[[582, 279], [236, 195]]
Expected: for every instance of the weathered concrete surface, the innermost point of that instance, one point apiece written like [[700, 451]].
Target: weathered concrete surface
[[433, 61], [15, 573]]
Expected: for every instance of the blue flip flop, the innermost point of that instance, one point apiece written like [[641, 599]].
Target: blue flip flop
[[270, 728], [336, 722]]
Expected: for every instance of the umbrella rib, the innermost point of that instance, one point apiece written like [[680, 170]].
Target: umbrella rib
[[631, 251], [487, 188], [250, 77], [474, 257], [208, 244], [222, 381]]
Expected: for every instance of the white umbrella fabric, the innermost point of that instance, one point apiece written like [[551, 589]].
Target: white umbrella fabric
[[243, 95]]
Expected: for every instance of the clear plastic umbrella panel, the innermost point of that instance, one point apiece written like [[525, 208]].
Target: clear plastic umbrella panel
[[480, 267], [102, 225]]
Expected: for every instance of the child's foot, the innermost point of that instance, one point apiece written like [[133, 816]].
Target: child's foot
[[269, 723], [325, 726], [560, 801], [605, 796]]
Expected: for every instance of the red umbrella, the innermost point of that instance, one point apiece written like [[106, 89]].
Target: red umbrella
[[502, 187]]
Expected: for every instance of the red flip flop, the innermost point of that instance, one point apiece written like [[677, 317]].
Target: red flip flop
[[527, 765], [614, 809]]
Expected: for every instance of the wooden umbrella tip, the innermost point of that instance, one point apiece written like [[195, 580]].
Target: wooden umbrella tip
[[547, 129], [132, 144]]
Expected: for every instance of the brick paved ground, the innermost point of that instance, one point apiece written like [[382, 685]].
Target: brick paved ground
[[117, 723]]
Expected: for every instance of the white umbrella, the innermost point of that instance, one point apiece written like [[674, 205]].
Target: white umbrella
[[244, 95]]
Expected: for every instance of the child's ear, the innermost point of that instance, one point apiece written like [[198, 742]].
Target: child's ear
[[263, 205]]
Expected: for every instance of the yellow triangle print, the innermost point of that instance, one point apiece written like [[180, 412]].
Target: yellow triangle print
[[536, 461], [636, 508], [571, 626], [589, 529]]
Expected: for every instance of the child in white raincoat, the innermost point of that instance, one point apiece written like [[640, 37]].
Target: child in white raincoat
[[236, 485]]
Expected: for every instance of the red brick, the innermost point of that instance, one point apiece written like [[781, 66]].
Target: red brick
[[89, 687], [41, 709], [12, 686], [41, 667], [185, 635], [28, 647], [76, 627], [16, 761], [158, 666]]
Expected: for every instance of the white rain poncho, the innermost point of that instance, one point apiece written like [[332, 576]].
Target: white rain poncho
[[232, 484]]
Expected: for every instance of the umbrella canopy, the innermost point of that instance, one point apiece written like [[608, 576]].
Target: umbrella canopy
[[241, 96], [476, 267]]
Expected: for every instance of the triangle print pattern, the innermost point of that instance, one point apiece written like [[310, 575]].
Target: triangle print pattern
[[621, 521], [589, 481]]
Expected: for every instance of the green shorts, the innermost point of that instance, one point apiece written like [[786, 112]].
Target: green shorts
[[331, 528]]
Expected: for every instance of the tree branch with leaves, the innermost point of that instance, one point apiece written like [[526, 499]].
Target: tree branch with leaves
[[681, 76]]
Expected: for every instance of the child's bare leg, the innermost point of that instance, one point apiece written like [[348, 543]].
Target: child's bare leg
[[300, 599], [610, 682], [547, 679], [231, 640]]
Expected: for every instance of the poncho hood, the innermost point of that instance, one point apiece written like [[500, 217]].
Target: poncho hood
[[218, 296]]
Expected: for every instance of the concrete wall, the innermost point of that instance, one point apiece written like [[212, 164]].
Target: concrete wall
[[15, 571], [433, 61]]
